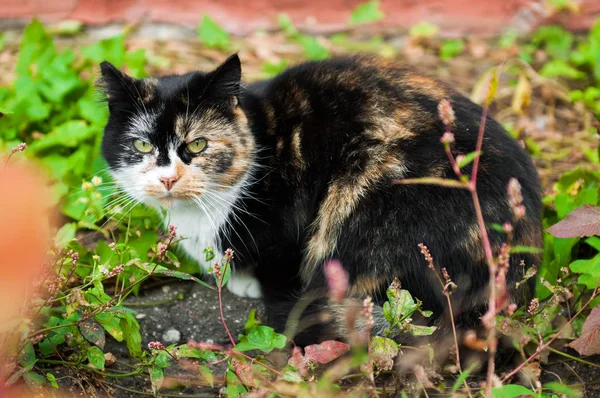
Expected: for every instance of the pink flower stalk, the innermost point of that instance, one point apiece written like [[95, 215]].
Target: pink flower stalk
[[533, 306], [162, 249], [216, 269], [427, 255], [515, 198], [446, 113], [172, 232], [447, 138], [337, 280], [19, 148], [229, 254], [156, 345]]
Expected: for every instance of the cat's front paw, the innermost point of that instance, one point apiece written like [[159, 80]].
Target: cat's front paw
[[244, 285]]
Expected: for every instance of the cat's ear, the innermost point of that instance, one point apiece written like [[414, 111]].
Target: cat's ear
[[116, 85], [225, 81]]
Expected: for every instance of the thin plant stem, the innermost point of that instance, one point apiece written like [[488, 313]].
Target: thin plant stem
[[583, 361], [220, 295], [547, 343]]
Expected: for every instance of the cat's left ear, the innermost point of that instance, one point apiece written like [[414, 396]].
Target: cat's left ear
[[225, 81]]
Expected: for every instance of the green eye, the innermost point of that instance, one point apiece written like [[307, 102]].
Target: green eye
[[197, 146], [142, 146]]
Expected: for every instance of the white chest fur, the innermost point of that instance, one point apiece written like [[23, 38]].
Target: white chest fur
[[197, 230]]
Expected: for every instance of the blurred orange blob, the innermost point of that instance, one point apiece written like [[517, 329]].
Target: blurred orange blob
[[24, 238], [25, 235]]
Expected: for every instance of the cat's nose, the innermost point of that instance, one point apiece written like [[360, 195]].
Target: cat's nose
[[168, 182]]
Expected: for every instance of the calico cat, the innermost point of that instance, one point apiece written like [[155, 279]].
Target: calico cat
[[300, 169]]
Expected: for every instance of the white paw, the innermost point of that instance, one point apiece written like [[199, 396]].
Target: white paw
[[244, 285]]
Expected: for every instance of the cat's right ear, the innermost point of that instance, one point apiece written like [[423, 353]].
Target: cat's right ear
[[115, 85]]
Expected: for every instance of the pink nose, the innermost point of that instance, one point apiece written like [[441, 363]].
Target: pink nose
[[168, 182]]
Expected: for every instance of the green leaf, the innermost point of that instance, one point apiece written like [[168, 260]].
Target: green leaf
[[418, 330], [462, 377], [559, 68], [383, 351], [111, 49], [261, 338], [206, 373], [212, 35], [96, 357], [234, 386], [291, 375], [563, 390], [64, 235], [92, 332], [512, 391], [423, 30], [157, 377], [467, 159], [50, 377], [312, 48], [251, 322], [27, 358], [366, 12], [133, 338], [160, 270], [111, 324], [34, 380], [451, 48], [162, 360], [525, 249]]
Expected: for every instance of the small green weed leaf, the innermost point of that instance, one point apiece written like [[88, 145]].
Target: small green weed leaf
[[423, 30], [312, 48], [418, 330], [235, 388], [559, 68], [96, 357], [291, 375], [462, 377], [111, 49], [27, 358], [287, 25], [184, 351], [92, 332], [212, 35], [226, 273], [133, 338], [512, 391], [111, 324], [525, 249], [383, 351], [162, 360], [209, 254], [33, 380], [157, 377], [467, 159], [64, 235], [52, 380], [367, 12], [181, 275], [326, 352], [252, 322], [451, 48], [206, 373], [274, 68], [261, 338], [563, 390]]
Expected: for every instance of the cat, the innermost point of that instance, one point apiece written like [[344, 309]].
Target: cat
[[300, 169]]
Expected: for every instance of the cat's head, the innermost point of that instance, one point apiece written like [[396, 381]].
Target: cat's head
[[177, 139]]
